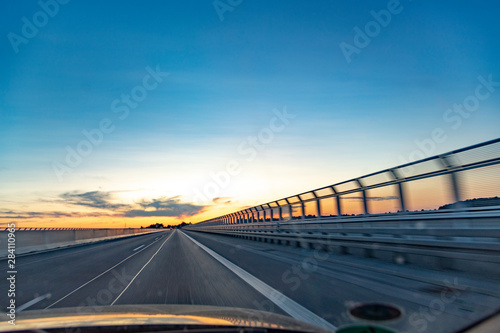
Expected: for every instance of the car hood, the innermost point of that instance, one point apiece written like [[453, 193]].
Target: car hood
[[136, 317]]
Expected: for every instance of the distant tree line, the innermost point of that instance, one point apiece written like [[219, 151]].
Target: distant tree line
[[170, 226], [476, 202]]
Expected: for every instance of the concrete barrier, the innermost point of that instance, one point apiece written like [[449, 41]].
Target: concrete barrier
[[27, 241]]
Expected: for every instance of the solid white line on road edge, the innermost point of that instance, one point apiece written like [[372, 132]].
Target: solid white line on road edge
[[288, 305], [98, 276], [138, 248], [142, 268], [32, 302]]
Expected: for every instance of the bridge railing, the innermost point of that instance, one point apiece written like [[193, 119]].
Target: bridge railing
[[457, 180]]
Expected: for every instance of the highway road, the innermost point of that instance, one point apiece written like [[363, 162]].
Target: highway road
[[186, 267]]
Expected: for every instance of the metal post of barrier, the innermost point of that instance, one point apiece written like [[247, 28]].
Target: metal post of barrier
[[400, 183], [290, 214], [318, 205], [270, 213], [302, 208], [446, 160], [337, 197], [363, 193]]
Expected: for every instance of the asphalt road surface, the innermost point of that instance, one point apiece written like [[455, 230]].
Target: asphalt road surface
[[185, 267]]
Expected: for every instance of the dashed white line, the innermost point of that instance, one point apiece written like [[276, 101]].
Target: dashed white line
[[142, 268], [32, 302], [288, 305], [86, 283], [138, 248]]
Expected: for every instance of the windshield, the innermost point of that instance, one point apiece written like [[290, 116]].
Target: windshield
[[331, 162]]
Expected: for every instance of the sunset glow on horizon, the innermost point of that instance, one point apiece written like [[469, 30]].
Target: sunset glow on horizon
[[161, 112]]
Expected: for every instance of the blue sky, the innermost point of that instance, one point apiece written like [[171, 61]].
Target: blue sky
[[225, 79]]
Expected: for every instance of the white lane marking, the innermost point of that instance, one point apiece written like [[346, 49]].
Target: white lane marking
[[32, 302], [142, 269], [288, 305], [138, 248], [98, 276]]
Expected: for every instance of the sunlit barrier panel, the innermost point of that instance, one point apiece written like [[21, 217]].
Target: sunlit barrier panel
[[383, 200], [428, 193], [328, 207], [480, 183], [352, 204], [311, 209]]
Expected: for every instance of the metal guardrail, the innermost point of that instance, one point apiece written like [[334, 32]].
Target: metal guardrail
[[455, 180], [465, 240]]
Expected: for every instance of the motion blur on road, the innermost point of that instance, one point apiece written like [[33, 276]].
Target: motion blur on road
[[174, 267]]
